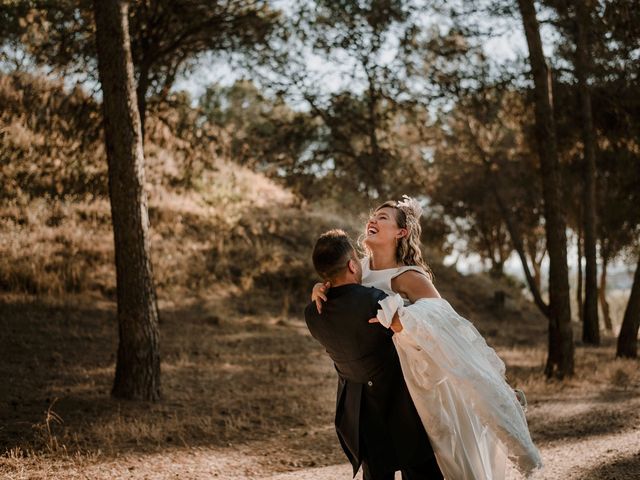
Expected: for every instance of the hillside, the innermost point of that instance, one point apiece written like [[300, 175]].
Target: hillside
[[212, 221], [215, 225]]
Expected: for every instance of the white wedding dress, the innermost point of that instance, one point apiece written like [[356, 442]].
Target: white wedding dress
[[472, 416]]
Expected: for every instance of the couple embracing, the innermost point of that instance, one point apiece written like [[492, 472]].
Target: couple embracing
[[419, 390]]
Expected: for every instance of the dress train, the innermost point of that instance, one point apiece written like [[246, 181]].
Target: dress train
[[473, 417]]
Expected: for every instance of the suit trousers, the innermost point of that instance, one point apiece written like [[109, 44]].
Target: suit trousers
[[427, 471]]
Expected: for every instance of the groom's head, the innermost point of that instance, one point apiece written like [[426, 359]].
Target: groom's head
[[335, 258]]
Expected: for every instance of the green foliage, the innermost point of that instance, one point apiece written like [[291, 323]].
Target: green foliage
[[52, 142], [616, 109], [366, 121], [167, 36], [266, 134]]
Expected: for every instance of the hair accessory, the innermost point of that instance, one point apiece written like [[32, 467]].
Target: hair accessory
[[410, 206]]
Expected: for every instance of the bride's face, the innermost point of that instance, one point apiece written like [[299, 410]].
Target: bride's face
[[382, 228]]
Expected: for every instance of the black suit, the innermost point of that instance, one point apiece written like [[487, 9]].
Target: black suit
[[376, 420]]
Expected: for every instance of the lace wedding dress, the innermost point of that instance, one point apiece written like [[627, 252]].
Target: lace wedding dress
[[472, 416]]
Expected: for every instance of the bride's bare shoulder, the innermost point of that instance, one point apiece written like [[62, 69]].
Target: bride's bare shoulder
[[414, 285]]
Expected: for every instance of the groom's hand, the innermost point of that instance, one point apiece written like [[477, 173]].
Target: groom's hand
[[396, 324]]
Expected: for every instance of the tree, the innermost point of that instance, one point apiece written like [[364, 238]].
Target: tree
[[370, 105], [628, 338], [620, 216], [590, 324], [355, 136], [600, 39], [263, 128], [167, 36], [485, 177], [574, 20], [617, 198], [560, 359], [138, 362]]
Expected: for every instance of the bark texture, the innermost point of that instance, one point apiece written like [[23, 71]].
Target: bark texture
[[579, 273], [560, 362], [138, 363], [628, 338], [590, 324], [604, 304]]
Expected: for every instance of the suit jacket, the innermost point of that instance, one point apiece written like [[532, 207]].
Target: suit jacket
[[376, 420]]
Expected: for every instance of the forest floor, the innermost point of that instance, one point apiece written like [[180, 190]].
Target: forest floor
[[251, 395]]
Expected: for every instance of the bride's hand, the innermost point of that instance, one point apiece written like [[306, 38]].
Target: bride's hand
[[396, 324], [319, 294]]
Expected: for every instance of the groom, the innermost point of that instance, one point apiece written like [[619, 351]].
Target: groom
[[376, 420]]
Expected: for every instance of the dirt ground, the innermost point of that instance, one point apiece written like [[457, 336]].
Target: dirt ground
[[251, 395]]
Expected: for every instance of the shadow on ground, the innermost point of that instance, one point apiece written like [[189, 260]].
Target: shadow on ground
[[598, 420], [627, 468], [225, 381]]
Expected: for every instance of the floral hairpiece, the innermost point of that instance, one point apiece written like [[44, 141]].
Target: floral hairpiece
[[410, 206]]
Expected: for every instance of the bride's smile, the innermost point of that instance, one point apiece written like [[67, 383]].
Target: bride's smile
[[382, 227]]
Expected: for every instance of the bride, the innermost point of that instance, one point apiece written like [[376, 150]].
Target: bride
[[473, 418]]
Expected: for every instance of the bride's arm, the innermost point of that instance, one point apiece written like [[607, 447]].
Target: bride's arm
[[319, 294], [396, 324], [414, 286]]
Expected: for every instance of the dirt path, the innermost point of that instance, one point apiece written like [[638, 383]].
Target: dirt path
[[615, 457], [568, 450], [601, 458]]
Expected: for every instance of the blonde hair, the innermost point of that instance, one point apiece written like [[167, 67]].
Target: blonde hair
[[408, 251]]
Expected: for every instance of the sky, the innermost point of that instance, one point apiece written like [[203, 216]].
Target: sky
[[507, 45]]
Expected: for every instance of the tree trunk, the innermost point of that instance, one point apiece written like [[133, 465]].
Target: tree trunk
[[628, 338], [378, 161], [536, 263], [537, 274], [560, 361], [497, 268], [590, 325], [141, 94], [603, 296], [138, 363], [579, 287]]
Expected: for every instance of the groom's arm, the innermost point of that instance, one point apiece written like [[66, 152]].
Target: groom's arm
[[376, 296]]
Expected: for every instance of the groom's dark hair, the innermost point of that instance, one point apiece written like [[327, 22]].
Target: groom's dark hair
[[332, 252]]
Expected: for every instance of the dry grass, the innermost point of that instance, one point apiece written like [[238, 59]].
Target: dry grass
[[227, 379], [199, 240], [54, 247]]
